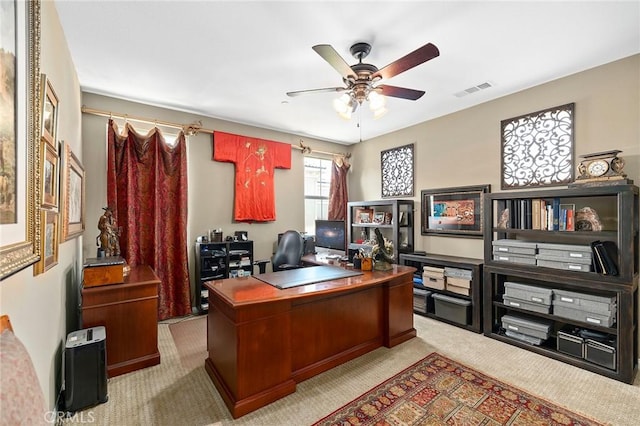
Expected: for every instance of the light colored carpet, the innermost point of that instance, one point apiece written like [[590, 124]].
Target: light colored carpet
[[187, 336], [172, 394]]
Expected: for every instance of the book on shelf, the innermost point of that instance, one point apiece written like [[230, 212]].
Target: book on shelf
[[605, 255], [567, 212], [556, 214]]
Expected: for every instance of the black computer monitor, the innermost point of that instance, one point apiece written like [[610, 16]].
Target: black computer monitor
[[330, 236]]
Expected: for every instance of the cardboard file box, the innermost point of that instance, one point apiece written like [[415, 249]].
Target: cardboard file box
[[512, 258], [506, 246], [534, 327], [584, 316], [466, 274], [452, 308], [524, 338], [580, 265], [433, 277], [586, 302], [528, 293], [523, 304], [459, 285], [565, 251]]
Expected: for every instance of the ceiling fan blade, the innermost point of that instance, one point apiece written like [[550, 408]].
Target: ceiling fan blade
[[400, 92], [330, 55], [323, 90], [415, 58]]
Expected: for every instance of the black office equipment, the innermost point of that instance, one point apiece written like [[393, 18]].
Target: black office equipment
[[85, 369]]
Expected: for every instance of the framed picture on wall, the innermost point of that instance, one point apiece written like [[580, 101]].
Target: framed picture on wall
[[49, 176], [49, 242], [73, 216], [49, 111], [453, 211]]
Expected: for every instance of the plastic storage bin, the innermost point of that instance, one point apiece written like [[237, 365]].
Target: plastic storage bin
[[420, 298], [452, 308]]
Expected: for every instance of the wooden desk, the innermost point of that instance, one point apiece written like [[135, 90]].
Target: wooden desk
[[261, 341], [129, 313]]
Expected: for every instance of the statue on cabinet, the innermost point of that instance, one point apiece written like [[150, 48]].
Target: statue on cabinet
[[109, 238]]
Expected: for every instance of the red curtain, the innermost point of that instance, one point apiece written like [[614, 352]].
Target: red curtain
[[147, 191], [338, 196]]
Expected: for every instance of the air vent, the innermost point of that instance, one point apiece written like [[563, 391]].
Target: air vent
[[473, 89]]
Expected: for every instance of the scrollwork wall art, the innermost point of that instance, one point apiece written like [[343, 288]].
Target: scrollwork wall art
[[537, 148], [397, 171]]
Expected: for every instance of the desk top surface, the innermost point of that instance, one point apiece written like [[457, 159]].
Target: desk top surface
[[248, 290]]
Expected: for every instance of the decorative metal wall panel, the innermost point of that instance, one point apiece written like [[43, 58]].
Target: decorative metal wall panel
[[397, 171], [537, 148]]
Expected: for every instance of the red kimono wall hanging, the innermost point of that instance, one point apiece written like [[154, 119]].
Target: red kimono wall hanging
[[255, 161]]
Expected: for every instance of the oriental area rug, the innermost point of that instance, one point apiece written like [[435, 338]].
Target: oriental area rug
[[439, 391]]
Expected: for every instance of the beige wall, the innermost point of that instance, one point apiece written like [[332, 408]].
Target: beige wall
[[463, 148], [42, 308], [211, 183]]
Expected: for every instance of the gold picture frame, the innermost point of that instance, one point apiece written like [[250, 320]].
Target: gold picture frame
[[48, 243], [73, 212], [50, 176], [20, 191], [49, 108]]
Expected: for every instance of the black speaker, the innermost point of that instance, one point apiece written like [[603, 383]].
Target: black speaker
[[85, 369], [309, 244]]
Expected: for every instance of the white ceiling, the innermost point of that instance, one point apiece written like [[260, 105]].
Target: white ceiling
[[235, 60]]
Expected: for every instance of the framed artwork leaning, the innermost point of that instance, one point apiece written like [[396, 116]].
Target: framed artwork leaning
[[454, 212], [73, 211]]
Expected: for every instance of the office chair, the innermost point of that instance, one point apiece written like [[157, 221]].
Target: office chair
[[289, 252]]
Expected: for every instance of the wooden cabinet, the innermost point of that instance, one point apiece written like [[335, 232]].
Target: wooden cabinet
[[474, 266], [129, 313], [615, 221], [394, 219], [220, 260]]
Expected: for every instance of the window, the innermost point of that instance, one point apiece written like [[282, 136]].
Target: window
[[317, 181]]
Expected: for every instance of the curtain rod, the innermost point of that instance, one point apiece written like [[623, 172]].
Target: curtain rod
[[194, 128]]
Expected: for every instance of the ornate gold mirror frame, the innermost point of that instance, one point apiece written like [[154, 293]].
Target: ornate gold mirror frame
[[20, 221]]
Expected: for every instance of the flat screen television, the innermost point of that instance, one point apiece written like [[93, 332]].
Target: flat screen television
[[330, 237]]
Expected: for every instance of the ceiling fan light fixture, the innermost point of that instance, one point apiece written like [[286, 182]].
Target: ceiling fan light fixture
[[342, 104], [376, 100], [346, 114], [379, 112]]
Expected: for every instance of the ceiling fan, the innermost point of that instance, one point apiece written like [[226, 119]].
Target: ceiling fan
[[360, 79]]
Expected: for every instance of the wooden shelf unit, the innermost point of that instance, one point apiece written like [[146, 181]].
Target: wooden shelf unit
[[440, 261], [617, 207], [400, 231]]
